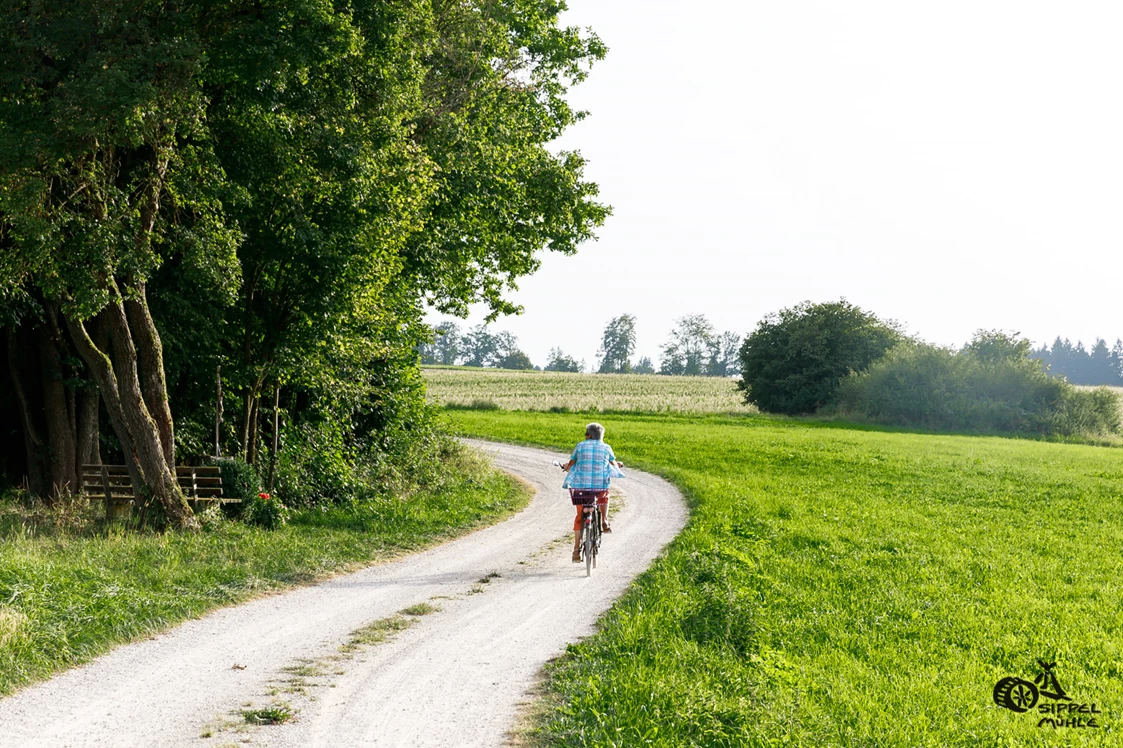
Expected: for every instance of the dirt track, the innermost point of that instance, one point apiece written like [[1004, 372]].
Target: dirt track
[[455, 677]]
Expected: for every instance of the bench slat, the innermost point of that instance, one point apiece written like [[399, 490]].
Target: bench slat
[[199, 480], [200, 470]]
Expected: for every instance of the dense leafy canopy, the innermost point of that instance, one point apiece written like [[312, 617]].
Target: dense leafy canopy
[[285, 185]]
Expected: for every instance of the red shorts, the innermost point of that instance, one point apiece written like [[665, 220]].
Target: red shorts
[[601, 499]]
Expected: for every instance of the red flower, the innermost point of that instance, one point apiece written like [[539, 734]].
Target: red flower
[[264, 496]]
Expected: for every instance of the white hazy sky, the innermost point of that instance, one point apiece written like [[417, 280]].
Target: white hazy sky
[[953, 166]]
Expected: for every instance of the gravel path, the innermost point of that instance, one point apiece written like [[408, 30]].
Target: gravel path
[[457, 676]]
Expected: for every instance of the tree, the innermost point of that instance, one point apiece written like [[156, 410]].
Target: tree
[[445, 348], [795, 359], [108, 171], [644, 366], [1100, 369], [507, 353], [492, 99], [278, 191], [479, 347], [724, 357], [688, 350], [617, 345], [559, 361]]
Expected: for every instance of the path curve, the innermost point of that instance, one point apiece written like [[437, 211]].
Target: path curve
[[457, 677]]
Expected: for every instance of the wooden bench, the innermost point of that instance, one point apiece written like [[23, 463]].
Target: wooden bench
[[200, 484]]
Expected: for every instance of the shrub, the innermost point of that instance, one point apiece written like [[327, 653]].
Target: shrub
[[794, 361], [239, 479], [266, 510], [992, 385], [318, 464]]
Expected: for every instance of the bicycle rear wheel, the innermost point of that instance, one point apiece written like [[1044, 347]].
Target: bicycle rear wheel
[[590, 550]]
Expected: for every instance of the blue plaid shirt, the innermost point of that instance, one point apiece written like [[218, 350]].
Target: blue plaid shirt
[[590, 468]]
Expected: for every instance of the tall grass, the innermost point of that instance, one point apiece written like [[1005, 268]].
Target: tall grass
[[839, 587]]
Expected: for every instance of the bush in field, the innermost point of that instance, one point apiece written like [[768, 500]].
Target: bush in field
[[794, 361], [560, 361], [992, 385]]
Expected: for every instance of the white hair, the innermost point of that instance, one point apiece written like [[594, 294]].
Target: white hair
[[594, 431]]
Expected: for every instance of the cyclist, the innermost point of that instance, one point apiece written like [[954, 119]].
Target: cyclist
[[589, 469]]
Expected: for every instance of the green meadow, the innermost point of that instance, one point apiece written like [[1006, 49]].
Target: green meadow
[[839, 586]]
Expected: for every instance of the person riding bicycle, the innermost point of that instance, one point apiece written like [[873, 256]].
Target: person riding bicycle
[[589, 469]]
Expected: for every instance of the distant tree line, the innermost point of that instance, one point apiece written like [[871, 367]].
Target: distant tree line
[[694, 348], [1097, 366], [479, 347]]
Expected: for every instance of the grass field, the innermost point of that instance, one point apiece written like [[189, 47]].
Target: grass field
[[545, 390], [846, 587], [70, 590]]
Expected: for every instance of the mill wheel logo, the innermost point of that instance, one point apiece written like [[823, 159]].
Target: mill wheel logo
[[1019, 695]]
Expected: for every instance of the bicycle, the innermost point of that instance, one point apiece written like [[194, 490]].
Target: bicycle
[[591, 532]]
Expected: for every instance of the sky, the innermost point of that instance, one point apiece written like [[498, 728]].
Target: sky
[[952, 166]]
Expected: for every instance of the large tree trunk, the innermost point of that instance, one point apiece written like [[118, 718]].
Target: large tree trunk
[[276, 435], [218, 414], [57, 410], [255, 422], [150, 352], [89, 433], [119, 384]]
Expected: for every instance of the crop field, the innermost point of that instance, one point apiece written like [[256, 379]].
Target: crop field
[[840, 586], [546, 390]]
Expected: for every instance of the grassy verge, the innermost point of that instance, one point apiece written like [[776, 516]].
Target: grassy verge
[[69, 592], [839, 587]]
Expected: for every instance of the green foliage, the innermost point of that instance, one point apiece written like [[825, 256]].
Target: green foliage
[[267, 511], [687, 350], [293, 185], [275, 714], [845, 587], [493, 98], [515, 361], [239, 479], [617, 345], [795, 360], [696, 349], [444, 350], [108, 161], [560, 361], [991, 386]]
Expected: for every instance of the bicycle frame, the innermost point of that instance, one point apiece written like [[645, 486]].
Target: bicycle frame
[[591, 536]]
